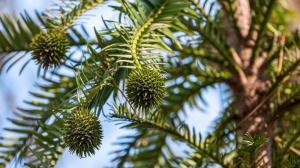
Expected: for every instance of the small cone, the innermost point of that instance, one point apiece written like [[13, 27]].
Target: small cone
[[49, 49], [145, 88], [82, 132]]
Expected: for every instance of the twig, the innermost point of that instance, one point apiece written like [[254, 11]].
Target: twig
[[292, 149]]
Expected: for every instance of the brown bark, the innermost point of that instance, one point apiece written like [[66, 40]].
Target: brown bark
[[249, 85]]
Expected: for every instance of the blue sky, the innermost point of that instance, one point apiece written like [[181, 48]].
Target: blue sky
[[20, 85]]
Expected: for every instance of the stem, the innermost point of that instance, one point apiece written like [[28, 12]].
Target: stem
[[139, 33]]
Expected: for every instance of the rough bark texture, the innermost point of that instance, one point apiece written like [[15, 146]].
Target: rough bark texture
[[249, 85]]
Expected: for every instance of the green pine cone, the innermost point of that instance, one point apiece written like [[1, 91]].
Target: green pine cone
[[49, 49], [145, 88], [82, 132]]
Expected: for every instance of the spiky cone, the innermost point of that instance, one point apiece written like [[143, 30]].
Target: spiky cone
[[49, 48], [82, 132], [145, 88]]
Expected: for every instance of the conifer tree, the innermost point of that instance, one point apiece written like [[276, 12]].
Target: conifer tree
[[157, 58]]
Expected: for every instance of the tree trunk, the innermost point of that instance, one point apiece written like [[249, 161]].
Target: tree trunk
[[249, 85], [255, 122]]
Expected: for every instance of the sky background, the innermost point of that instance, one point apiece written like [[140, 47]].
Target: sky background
[[14, 89]]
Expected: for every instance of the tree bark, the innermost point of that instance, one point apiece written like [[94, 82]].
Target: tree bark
[[249, 86]]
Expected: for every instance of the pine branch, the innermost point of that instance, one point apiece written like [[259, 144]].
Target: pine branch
[[290, 142], [280, 79], [17, 33], [124, 153], [28, 121], [294, 150], [59, 97], [144, 148], [68, 12], [213, 36], [155, 122], [14, 50], [289, 104], [144, 34], [202, 10], [141, 30]]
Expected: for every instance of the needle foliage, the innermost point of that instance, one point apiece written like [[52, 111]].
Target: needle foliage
[[153, 65]]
